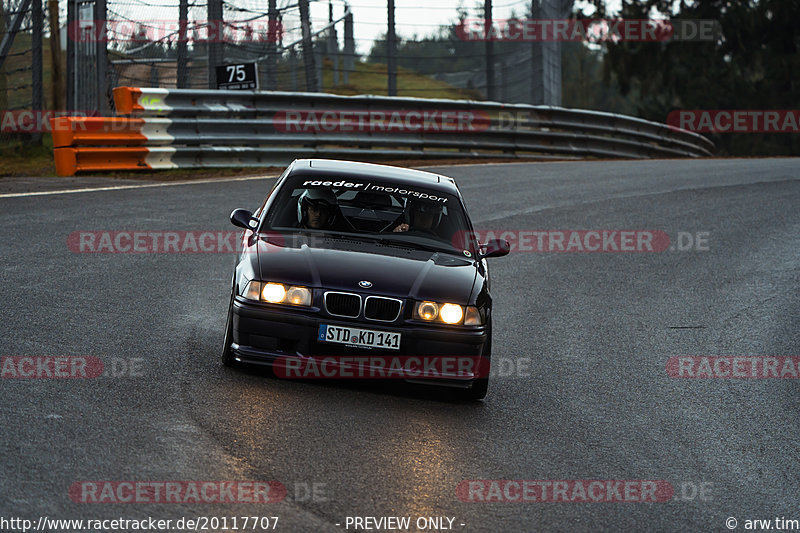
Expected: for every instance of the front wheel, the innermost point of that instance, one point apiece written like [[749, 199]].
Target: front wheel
[[227, 353]]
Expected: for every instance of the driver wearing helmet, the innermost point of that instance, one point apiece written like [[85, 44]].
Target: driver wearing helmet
[[316, 209], [421, 216]]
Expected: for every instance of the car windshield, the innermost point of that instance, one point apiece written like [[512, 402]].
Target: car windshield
[[407, 215]]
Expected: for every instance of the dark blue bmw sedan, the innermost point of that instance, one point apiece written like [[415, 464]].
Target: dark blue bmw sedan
[[360, 270]]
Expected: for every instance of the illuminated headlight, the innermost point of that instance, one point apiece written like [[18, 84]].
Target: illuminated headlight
[[277, 293], [273, 293], [451, 313], [448, 313]]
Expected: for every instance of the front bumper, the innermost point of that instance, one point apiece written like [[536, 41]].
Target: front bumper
[[266, 335]]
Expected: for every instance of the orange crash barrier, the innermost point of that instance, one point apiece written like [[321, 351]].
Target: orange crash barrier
[[71, 160]]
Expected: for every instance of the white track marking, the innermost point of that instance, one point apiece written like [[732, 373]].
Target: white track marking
[[142, 186]]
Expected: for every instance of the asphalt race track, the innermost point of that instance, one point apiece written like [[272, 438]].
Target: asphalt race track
[[581, 346]]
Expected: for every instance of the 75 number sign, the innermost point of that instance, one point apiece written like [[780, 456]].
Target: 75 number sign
[[238, 76]]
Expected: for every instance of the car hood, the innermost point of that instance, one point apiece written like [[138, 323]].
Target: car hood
[[392, 270]]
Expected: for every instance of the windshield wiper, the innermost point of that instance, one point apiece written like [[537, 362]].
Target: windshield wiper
[[386, 240]]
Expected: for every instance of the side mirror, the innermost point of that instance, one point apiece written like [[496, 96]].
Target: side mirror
[[495, 248], [243, 218]]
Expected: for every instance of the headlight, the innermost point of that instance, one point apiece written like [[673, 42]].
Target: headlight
[[277, 293], [428, 310], [448, 313], [452, 313], [273, 293], [298, 295]]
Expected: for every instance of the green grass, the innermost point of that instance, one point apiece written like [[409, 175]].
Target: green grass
[[372, 78], [22, 158]]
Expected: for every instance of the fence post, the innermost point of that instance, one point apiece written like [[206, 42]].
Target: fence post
[[182, 51], [55, 56], [333, 46], [101, 56], [308, 48], [215, 41], [487, 15], [36, 74], [272, 44], [349, 46], [293, 67], [72, 34], [3, 87], [391, 52]]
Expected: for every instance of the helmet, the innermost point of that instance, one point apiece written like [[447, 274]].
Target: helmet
[[423, 206], [324, 198]]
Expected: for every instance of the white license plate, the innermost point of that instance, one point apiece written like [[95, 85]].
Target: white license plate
[[366, 338]]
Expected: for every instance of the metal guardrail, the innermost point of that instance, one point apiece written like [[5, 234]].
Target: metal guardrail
[[167, 128]]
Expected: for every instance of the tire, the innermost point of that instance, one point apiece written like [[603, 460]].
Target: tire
[[227, 354]]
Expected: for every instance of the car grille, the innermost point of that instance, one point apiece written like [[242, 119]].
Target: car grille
[[383, 309], [343, 304], [377, 308]]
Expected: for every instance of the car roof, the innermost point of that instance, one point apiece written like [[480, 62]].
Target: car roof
[[332, 168]]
